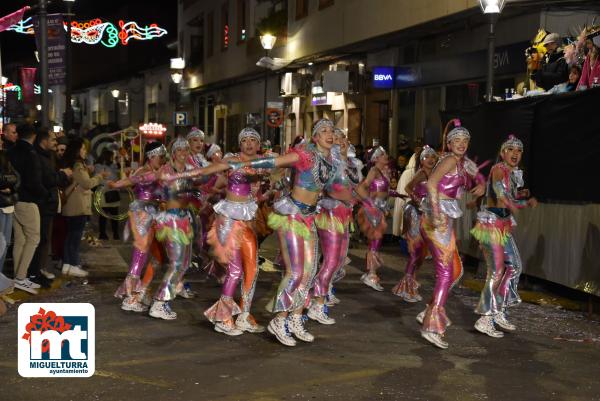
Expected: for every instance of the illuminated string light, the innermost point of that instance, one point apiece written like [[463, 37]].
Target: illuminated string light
[[153, 129], [96, 31]]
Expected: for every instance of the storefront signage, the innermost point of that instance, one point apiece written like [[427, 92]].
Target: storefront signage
[[383, 77], [319, 100], [274, 117]]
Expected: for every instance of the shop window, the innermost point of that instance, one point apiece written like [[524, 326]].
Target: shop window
[[432, 125], [210, 34], [196, 50], [301, 9], [325, 3]]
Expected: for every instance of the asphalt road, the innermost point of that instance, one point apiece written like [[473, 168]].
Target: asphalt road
[[373, 352]]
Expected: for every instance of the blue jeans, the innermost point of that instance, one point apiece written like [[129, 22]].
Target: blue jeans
[[6, 223], [75, 226]]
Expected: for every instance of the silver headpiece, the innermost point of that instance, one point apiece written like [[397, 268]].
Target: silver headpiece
[[512, 141], [214, 148], [324, 122], [195, 133], [248, 133], [179, 143], [427, 151], [458, 131], [351, 151], [339, 132], [160, 151], [376, 153]]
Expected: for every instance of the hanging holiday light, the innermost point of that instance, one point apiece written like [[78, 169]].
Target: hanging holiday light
[[97, 31]]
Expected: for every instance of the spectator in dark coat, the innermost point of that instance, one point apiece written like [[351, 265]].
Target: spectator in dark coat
[[554, 69], [45, 146], [26, 224]]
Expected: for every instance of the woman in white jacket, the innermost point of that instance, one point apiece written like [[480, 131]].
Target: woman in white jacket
[[405, 178]]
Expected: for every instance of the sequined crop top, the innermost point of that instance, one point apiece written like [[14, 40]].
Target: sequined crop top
[[178, 189], [379, 184], [238, 183], [420, 190], [453, 183], [312, 171], [345, 176], [146, 187]]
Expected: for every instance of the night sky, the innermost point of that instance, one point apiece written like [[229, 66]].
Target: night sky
[[97, 64]]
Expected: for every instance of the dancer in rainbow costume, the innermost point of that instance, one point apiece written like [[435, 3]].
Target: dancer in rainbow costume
[[493, 230], [142, 212], [294, 221], [374, 191], [333, 223], [408, 287], [452, 175], [233, 241]]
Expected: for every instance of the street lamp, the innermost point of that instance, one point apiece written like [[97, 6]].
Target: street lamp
[[176, 77], [267, 41], [115, 94], [491, 8], [68, 119]]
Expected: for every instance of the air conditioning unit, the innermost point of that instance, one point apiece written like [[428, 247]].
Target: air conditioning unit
[[291, 84], [336, 81]]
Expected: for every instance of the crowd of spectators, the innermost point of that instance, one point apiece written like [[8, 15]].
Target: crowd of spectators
[[45, 202], [573, 68]]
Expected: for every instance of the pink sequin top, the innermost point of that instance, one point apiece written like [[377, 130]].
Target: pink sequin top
[[453, 183], [238, 183], [420, 190], [379, 184]]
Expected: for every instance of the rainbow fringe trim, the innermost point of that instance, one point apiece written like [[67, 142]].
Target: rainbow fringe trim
[[496, 233], [295, 223]]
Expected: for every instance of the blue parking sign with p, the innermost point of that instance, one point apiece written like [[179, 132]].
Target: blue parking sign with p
[[180, 118]]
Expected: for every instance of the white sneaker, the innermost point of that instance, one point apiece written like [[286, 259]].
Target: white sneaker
[[318, 312], [295, 324], [246, 322], [435, 339], [371, 282], [133, 306], [47, 274], [228, 328], [421, 316], [186, 292], [408, 298], [500, 320], [75, 271], [278, 327], [25, 286], [332, 300], [32, 284], [162, 310], [485, 325]]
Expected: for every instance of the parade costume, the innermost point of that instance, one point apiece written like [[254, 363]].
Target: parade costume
[[197, 199], [493, 230], [142, 213], [294, 222], [371, 219], [233, 243], [441, 239], [174, 229], [333, 226], [408, 287]]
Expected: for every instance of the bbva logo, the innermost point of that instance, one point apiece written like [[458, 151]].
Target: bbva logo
[[382, 77], [56, 340]]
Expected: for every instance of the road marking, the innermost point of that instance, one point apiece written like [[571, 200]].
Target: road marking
[[132, 378]]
